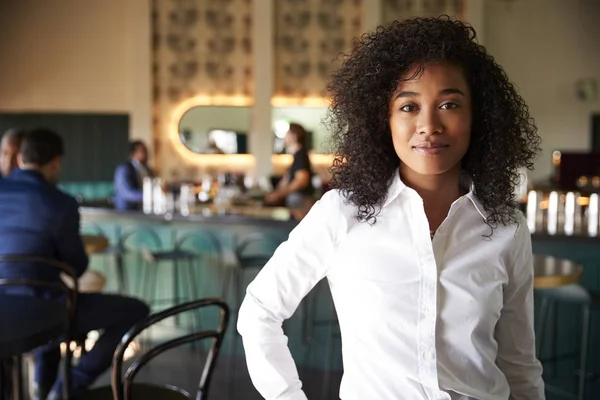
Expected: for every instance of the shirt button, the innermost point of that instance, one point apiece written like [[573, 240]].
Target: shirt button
[[431, 355]]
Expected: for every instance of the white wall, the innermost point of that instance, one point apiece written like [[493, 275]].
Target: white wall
[[545, 46], [70, 55]]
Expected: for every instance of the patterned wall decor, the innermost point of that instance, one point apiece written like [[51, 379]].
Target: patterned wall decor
[[204, 47], [401, 9], [309, 34], [200, 48]]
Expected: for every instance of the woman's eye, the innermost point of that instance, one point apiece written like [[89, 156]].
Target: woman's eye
[[449, 106], [408, 108]]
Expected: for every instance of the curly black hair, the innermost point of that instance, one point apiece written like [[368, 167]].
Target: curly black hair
[[503, 138]]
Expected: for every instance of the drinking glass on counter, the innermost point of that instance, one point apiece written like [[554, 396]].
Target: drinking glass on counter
[[186, 199], [559, 213]]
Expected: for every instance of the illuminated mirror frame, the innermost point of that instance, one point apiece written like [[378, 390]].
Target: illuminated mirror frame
[[207, 159]]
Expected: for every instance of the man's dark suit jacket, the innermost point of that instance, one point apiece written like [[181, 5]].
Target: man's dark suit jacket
[[128, 188], [38, 219]]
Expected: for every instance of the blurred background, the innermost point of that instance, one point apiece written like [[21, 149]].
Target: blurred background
[[214, 90]]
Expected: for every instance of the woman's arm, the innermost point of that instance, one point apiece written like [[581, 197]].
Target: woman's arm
[[300, 181], [295, 268], [514, 331]]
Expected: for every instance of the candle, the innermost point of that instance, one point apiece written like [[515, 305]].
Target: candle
[[570, 213], [592, 216], [553, 213], [532, 210]]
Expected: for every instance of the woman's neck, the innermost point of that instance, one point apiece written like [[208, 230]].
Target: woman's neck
[[437, 191]]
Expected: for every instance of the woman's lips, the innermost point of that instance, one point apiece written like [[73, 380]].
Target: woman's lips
[[430, 149]]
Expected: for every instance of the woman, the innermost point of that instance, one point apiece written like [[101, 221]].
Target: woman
[[428, 260], [295, 187]]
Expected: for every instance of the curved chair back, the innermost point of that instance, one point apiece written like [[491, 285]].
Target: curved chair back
[[202, 242], [92, 228], [136, 238], [70, 293], [255, 249], [122, 387]]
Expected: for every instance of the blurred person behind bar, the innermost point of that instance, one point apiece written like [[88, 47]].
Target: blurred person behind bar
[[295, 187], [129, 177]]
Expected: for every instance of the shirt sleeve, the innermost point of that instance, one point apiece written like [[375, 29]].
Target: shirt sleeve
[[125, 185], [295, 268], [69, 242], [514, 331]]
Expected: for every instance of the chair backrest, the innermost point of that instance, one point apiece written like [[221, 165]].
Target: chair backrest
[[42, 262], [135, 239], [255, 249], [203, 243], [122, 387], [92, 228], [69, 291]]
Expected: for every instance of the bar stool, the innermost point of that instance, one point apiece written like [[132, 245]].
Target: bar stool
[[131, 242], [251, 253], [311, 320], [54, 318], [203, 243], [556, 283], [111, 251]]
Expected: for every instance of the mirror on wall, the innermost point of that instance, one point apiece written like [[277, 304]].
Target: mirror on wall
[[311, 118], [216, 129]]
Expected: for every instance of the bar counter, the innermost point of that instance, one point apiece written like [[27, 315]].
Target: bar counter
[[261, 216], [213, 273]]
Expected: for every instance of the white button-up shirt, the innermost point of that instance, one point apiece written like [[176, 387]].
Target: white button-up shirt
[[448, 318]]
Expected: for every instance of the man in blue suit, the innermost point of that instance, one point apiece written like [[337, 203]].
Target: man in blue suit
[[129, 178], [38, 219]]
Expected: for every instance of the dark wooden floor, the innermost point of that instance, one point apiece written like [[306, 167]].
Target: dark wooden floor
[[181, 367]]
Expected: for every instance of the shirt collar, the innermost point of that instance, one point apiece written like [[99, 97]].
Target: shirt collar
[[396, 186], [27, 175]]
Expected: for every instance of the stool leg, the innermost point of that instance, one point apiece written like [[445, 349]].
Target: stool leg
[[326, 389], [585, 333], [143, 279], [554, 344], [227, 276], [176, 294], [237, 275], [122, 285], [193, 284], [17, 380], [4, 389], [541, 325]]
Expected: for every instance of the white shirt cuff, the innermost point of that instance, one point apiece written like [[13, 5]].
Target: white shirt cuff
[[294, 396]]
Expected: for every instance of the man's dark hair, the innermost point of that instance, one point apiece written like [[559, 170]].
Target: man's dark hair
[[134, 145], [40, 146], [300, 133]]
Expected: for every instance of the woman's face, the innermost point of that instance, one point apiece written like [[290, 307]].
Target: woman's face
[[430, 120]]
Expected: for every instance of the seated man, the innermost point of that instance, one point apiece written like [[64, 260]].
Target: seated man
[[38, 219], [129, 178], [9, 148]]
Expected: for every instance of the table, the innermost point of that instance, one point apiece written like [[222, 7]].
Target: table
[[94, 243], [551, 272]]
